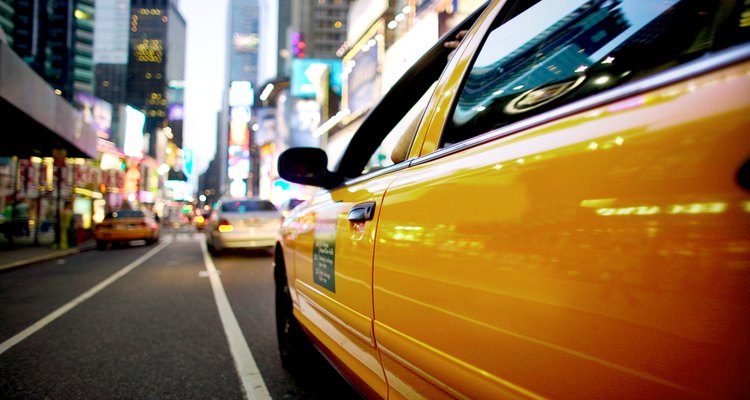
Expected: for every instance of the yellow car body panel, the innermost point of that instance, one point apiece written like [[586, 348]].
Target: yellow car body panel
[[579, 247], [333, 277], [125, 229], [600, 252]]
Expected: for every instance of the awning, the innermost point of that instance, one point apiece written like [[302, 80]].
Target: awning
[[42, 121]]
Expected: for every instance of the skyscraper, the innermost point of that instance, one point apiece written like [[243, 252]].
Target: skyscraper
[[156, 57], [243, 29], [57, 40], [111, 40], [244, 40], [321, 26]]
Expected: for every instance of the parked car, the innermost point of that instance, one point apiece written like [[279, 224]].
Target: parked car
[[124, 226], [570, 217], [247, 223]]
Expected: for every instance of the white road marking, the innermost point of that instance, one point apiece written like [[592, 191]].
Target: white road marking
[[6, 345], [252, 382], [187, 236]]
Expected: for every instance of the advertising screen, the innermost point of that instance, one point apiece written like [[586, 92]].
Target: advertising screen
[[301, 85]]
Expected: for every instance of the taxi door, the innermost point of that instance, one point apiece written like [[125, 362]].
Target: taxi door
[[335, 232], [333, 267], [582, 249]]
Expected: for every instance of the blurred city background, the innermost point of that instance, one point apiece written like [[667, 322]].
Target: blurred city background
[[92, 95]]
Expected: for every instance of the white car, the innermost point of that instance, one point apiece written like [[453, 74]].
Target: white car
[[243, 223]]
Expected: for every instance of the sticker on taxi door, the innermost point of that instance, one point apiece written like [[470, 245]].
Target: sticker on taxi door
[[324, 251]]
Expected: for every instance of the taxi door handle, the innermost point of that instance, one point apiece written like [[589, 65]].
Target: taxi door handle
[[362, 212]]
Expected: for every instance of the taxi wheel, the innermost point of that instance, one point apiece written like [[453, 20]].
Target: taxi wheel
[[101, 245], [294, 346]]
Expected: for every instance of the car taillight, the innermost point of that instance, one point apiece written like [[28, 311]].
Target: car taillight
[[225, 226]]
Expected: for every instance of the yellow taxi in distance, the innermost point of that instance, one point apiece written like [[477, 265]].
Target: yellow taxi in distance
[[124, 226], [558, 209], [201, 221]]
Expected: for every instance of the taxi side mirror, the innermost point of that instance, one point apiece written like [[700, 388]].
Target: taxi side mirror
[[307, 166]]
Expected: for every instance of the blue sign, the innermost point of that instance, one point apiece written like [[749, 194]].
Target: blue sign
[[300, 83]]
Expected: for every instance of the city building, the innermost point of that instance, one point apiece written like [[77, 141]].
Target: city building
[[306, 91], [155, 85], [383, 40], [111, 41], [56, 39], [156, 57], [243, 47], [47, 161], [318, 27]]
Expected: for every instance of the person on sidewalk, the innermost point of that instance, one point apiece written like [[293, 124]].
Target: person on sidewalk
[[66, 215]]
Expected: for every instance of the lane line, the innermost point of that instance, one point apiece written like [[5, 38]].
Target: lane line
[[252, 381], [6, 345]]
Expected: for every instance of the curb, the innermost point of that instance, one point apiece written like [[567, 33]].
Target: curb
[[32, 260]]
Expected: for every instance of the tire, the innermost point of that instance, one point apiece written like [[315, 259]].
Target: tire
[[295, 348], [101, 245], [211, 249]]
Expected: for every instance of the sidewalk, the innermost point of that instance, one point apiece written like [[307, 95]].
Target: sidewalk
[[24, 251]]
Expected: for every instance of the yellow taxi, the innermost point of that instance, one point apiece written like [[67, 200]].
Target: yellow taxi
[[124, 226], [201, 221], [569, 216]]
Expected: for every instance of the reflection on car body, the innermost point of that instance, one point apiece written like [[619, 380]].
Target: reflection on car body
[[288, 205], [124, 226], [571, 218]]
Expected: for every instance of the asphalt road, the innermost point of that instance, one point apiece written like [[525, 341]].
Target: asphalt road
[[165, 321]]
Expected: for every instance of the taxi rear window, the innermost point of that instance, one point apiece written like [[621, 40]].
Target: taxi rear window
[[548, 53], [125, 214]]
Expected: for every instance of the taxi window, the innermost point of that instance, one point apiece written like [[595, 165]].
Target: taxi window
[[558, 51], [396, 144], [125, 214]]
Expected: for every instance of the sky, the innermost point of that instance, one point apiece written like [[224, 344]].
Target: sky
[[204, 77]]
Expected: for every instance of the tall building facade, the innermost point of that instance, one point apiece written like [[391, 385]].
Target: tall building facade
[[320, 26], [243, 38], [56, 38], [46, 61], [111, 41], [112, 31], [7, 26], [155, 28], [283, 33]]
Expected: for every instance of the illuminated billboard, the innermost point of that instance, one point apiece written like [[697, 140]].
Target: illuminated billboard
[[241, 93], [238, 158], [134, 122], [96, 112], [303, 87], [245, 42]]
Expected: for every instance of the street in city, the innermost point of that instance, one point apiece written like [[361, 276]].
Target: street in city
[[164, 321]]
